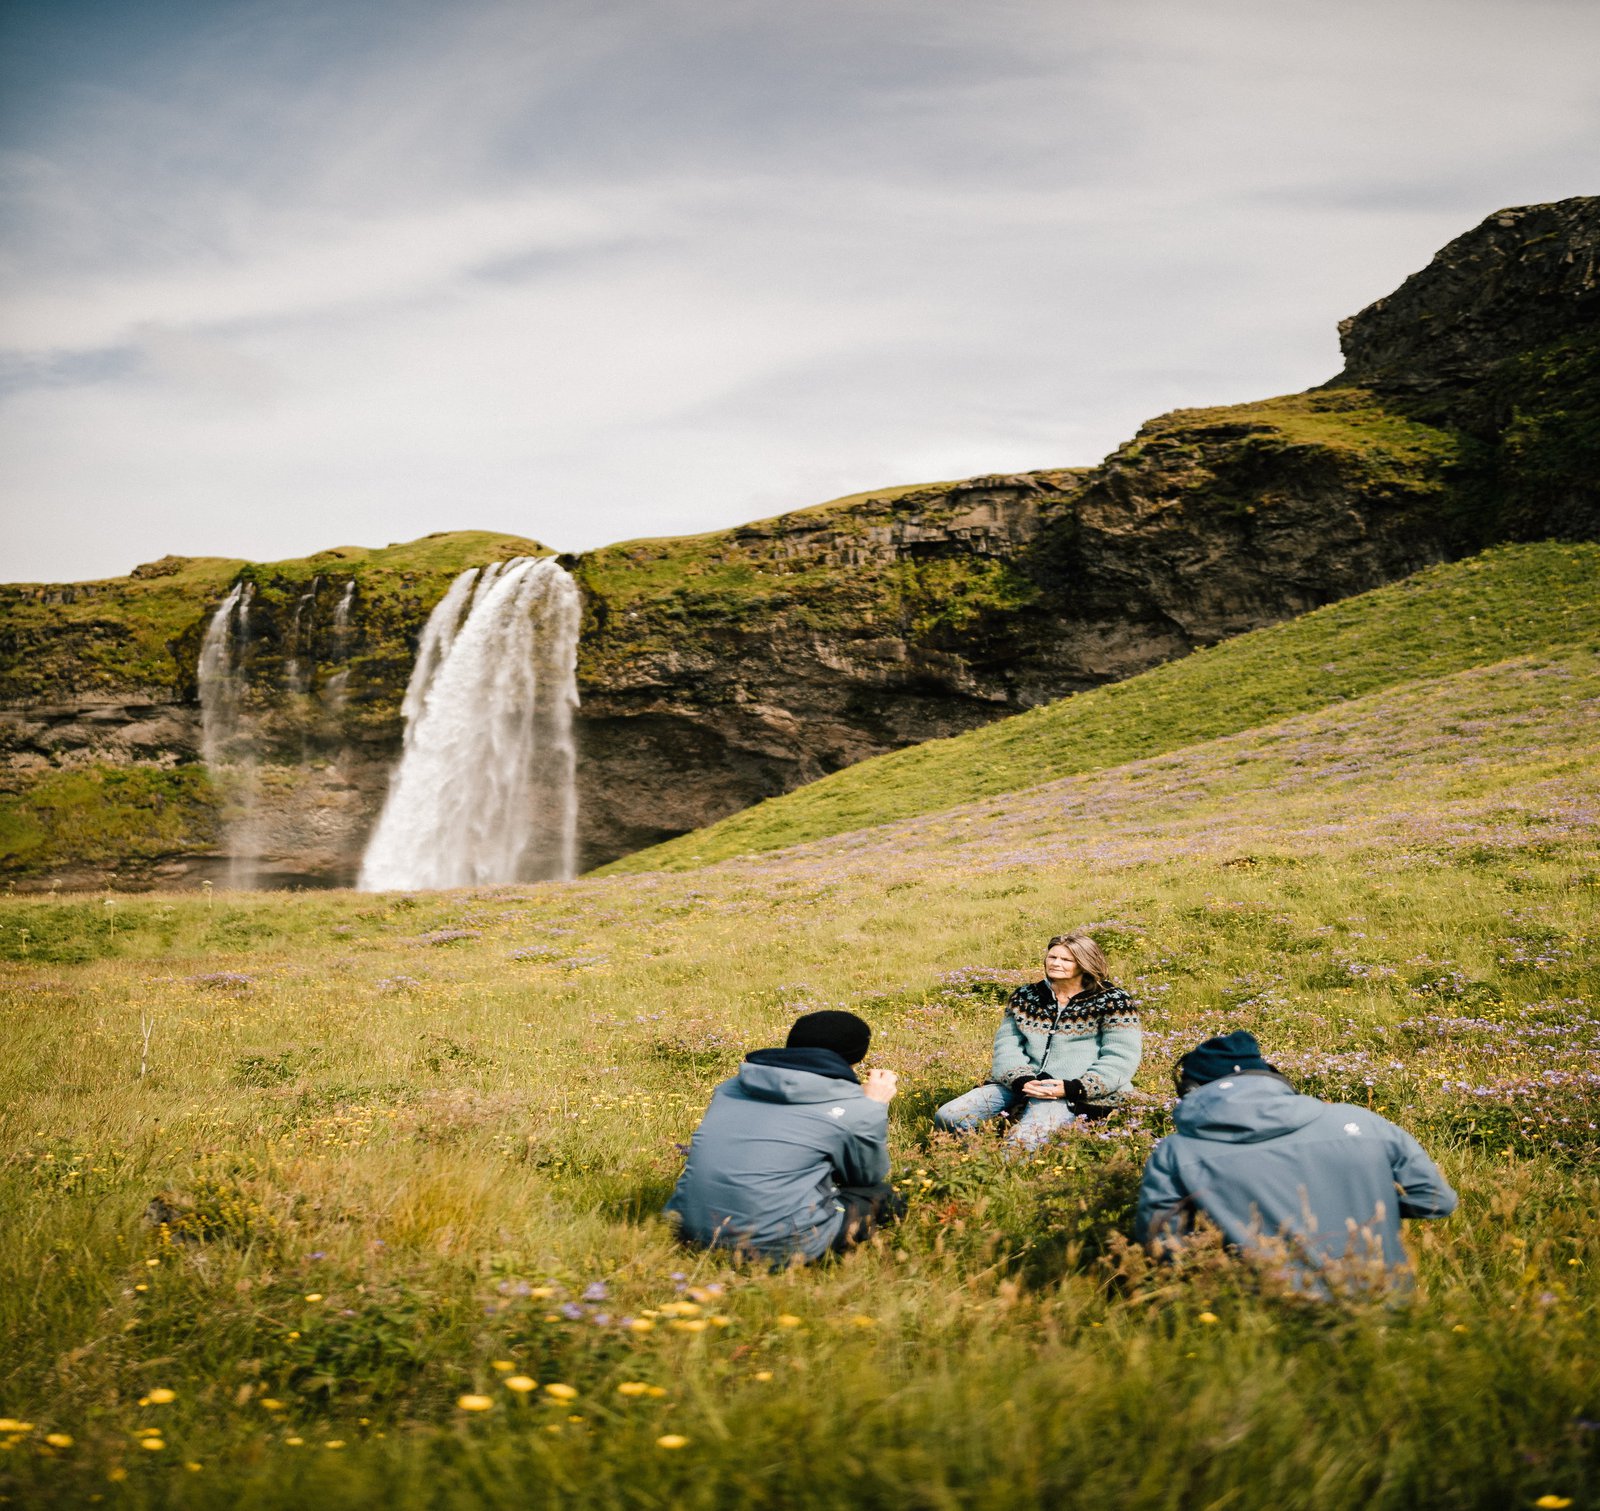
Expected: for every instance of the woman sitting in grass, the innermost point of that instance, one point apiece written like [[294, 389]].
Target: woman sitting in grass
[[1067, 1048]]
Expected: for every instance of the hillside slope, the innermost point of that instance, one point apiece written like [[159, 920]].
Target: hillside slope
[[1508, 602]]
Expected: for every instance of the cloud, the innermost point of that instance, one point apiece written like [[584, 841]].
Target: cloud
[[285, 275]]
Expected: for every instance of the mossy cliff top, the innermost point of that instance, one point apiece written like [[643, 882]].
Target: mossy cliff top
[[139, 635]]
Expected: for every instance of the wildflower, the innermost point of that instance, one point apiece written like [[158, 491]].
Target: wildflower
[[152, 1263], [11, 1424], [689, 1324], [559, 1392], [117, 1475], [294, 1442], [1553, 1502], [677, 1440], [632, 1388], [720, 1321], [1208, 1318], [655, 1392], [474, 1403], [334, 1443], [193, 1467], [641, 1325], [314, 1296], [542, 1292], [160, 1396], [862, 1320], [155, 1445], [58, 1439], [787, 1319], [1460, 1327], [502, 1366], [522, 1384], [596, 1291], [268, 1403], [763, 1375]]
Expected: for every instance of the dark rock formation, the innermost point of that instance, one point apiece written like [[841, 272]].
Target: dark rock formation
[[721, 669]]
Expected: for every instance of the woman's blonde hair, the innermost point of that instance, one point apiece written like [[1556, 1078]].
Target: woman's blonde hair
[[1091, 960]]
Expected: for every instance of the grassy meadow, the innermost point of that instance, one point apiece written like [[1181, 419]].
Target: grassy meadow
[[323, 1199]]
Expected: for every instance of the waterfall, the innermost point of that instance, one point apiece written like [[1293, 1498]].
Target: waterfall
[[219, 677], [334, 692], [294, 674], [220, 681], [485, 790]]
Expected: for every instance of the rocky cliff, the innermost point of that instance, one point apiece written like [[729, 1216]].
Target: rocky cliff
[[721, 669]]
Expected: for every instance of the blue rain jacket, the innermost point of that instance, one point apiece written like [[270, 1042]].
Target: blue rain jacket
[[771, 1151], [1300, 1183]]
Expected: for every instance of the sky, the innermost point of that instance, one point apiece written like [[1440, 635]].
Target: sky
[[280, 275]]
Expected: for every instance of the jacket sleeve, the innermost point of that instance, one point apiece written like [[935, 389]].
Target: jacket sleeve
[[1164, 1203], [1011, 1057], [863, 1158], [1121, 1046], [1424, 1192]]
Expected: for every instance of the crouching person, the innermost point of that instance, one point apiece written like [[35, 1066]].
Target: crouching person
[[792, 1155], [1312, 1190]]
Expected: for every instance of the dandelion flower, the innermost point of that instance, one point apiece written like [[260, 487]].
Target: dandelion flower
[[690, 1324], [117, 1475], [334, 1443], [787, 1319], [720, 1321], [1208, 1318], [655, 1392], [862, 1320], [193, 1467], [641, 1325], [152, 1263], [161, 1396], [1460, 1327], [11, 1424], [542, 1292], [155, 1445], [502, 1366], [672, 1440], [294, 1442], [269, 1404], [560, 1392], [474, 1403], [1553, 1502], [632, 1388], [522, 1384], [313, 1295], [58, 1439], [763, 1375]]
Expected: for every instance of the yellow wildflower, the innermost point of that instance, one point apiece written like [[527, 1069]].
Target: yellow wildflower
[[763, 1375], [269, 1404], [11, 1424], [787, 1319], [474, 1403], [641, 1325], [155, 1445], [542, 1292], [334, 1443], [294, 1442], [117, 1475], [313, 1295], [632, 1388], [559, 1392], [1208, 1318], [861, 1319], [720, 1321], [1553, 1502], [522, 1384], [58, 1439], [672, 1440], [655, 1392], [192, 1467], [690, 1324], [502, 1366]]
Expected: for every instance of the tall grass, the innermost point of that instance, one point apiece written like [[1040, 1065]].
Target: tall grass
[[393, 1153]]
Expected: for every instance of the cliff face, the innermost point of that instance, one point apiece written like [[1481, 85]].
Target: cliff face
[[721, 669]]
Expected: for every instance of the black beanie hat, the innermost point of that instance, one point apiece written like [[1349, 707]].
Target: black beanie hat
[[845, 1034], [1224, 1055]]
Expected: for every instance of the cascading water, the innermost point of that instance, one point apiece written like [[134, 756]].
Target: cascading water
[[485, 790], [337, 687], [220, 680]]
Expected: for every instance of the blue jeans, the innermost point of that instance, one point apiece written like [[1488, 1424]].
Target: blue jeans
[[1036, 1120]]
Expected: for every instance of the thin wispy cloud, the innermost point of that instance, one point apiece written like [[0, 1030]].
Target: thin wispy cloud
[[283, 276]]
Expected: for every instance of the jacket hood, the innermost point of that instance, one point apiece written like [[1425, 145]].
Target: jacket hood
[[1244, 1109], [797, 1076]]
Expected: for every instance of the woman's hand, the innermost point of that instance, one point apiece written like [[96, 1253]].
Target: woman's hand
[[1045, 1091]]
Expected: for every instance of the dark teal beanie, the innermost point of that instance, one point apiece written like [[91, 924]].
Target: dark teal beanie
[[1228, 1054]]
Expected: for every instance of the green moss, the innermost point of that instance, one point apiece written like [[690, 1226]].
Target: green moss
[[1508, 602], [101, 814]]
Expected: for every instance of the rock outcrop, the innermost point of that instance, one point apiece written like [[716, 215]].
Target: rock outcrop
[[721, 669]]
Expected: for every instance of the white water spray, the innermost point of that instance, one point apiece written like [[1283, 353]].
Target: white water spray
[[220, 681], [337, 687], [485, 790]]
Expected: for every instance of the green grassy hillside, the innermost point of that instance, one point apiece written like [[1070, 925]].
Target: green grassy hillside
[[1506, 602], [339, 1200]]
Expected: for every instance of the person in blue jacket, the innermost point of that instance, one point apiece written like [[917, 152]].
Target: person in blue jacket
[[1066, 1049], [1314, 1190], [792, 1156]]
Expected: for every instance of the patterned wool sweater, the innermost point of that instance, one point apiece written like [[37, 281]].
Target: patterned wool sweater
[[1093, 1039]]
